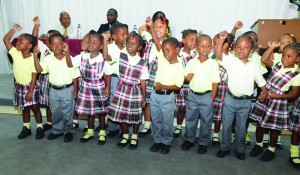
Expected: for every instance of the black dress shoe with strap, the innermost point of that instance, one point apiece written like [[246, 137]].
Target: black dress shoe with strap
[[121, 144]]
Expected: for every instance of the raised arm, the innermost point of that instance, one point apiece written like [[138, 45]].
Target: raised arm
[[149, 22], [142, 29], [268, 57], [37, 65], [105, 55], [9, 35], [219, 50], [35, 31], [67, 53], [238, 25]]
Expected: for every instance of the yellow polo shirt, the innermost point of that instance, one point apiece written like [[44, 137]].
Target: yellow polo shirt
[[22, 67], [59, 73], [205, 74], [169, 74], [241, 76], [254, 57]]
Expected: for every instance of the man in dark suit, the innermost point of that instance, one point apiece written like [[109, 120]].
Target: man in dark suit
[[112, 16]]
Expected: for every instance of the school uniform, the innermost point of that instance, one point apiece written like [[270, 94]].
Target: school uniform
[[91, 98], [237, 103], [114, 52], [23, 69], [181, 95], [126, 105], [162, 102], [60, 94], [199, 102], [275, 112]]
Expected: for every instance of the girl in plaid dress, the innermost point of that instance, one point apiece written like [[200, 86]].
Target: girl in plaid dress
[[151, 59], [130, 96], [187, 53], [283, 86], [26, 88], [95, 87]]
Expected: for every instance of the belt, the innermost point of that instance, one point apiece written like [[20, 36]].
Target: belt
[[60, 87], [244, 97], [200, 93], [114, 75], [163, 92]]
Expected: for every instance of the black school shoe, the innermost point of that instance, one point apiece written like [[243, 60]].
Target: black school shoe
[[187, 145], [268, 156], [144, 134], [256, 150], [39, 133], [156, 147], [68, 137], [24, 133], [240, 156], [47, 127], [122, 145], [296, 165], [165, 149], [133, 146]]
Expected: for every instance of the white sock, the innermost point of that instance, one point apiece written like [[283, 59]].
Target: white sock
[[49, 123], [39, 125], [147, 124], [216, 135], [75, 121]]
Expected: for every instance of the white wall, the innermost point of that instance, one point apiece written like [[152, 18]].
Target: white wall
[[210, 16]]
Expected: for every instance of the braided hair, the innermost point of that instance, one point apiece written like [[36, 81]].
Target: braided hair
[[32, 40]]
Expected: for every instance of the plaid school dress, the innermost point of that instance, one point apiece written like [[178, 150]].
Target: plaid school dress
[[126, 105], [274, 113], [44, 85], [218, 102], [91, 98], [152, 68], [295, 118], [20, 92], [181, 95]]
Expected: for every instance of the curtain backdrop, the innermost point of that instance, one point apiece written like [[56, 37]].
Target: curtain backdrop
[[209, 16]]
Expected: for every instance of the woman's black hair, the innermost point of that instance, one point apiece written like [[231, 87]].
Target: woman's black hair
[[32, 40]]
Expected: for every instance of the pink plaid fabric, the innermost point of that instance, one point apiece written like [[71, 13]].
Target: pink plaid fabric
[[126, 105]]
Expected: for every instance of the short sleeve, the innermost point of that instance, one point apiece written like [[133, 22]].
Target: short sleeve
[[107, 68], [215, 72], [146, 36], [145, 74]]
